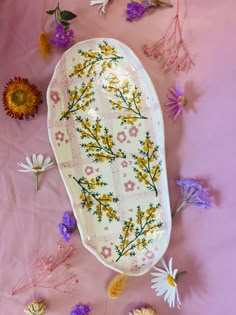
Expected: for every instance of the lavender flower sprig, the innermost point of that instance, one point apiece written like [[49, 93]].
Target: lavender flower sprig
[[67, 226], [193, 193]]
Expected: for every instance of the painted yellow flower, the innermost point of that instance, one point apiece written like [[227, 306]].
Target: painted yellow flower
[[21, 99]]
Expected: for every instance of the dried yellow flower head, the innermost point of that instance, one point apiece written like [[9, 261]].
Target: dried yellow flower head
[[117, 286], [143, 311], [35, 308]]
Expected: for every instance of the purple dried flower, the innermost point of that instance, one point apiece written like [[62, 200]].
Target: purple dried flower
[[193, 193], [176, 102], [68, 225], [69, 220], [134, 11], [62, 37], [65, 232], [81, 309]]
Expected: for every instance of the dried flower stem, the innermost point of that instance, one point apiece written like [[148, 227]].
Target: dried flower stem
[[172, 47], [179, 208], [42, 269]]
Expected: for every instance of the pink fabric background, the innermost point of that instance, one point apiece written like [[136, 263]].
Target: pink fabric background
[[199, 145]]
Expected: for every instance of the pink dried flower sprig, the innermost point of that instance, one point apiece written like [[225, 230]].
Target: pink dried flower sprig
[[171, 48], [176, 102], [41, 273]]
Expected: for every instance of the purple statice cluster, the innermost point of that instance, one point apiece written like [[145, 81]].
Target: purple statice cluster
[[67, 226], [62, 37], [81, 309], [194, 193], [135, 11]]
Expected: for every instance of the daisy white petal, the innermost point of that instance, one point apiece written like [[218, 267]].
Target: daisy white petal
[[34, 159], [28, 160], [40, 160], [47, 161], [24, 171], [24, 166]]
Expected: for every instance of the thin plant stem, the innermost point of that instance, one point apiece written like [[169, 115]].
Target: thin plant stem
[[42, 17], [37, 181], [107, 306], [180, 274], [179, 208]]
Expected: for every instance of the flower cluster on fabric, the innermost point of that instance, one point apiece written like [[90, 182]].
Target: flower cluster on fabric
[[136, 10], [21, 99], [171, 48], [36, 307], [194, 193], [67, 226], [36, 165], [176, 102], [62, 37], [63, 34], [143, 311], [165, 283], [81, 309]]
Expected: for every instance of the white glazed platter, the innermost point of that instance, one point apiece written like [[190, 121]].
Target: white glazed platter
[[106, 129]]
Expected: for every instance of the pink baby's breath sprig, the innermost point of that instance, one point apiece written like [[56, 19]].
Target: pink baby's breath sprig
[[171, 48], [49, 272]]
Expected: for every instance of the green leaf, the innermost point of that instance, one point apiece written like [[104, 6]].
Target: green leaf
[[67, 15], [51, 12], [65, 24]]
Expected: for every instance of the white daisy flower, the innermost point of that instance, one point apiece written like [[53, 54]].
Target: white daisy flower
[[36, 165], [165, 283]]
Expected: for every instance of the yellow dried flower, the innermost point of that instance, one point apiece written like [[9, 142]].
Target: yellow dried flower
[[44, 46], [143, 311], [20, 98], [116, 286], [35, 308]]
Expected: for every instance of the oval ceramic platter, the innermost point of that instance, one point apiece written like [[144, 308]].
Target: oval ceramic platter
[[106, 129]]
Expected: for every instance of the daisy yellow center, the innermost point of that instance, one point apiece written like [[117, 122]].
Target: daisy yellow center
[[181, 101], [19, 97], [171, 281], [37, 168]]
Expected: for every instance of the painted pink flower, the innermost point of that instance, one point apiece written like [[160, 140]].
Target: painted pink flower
[[176, 102], [124, 164], [133, 131], [129, 186], [59, 136], [106, 252], [149, 254], [121, 136], [88, 170], [54, 96]]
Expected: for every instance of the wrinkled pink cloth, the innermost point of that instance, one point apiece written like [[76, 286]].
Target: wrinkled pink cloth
[[198, 145]]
